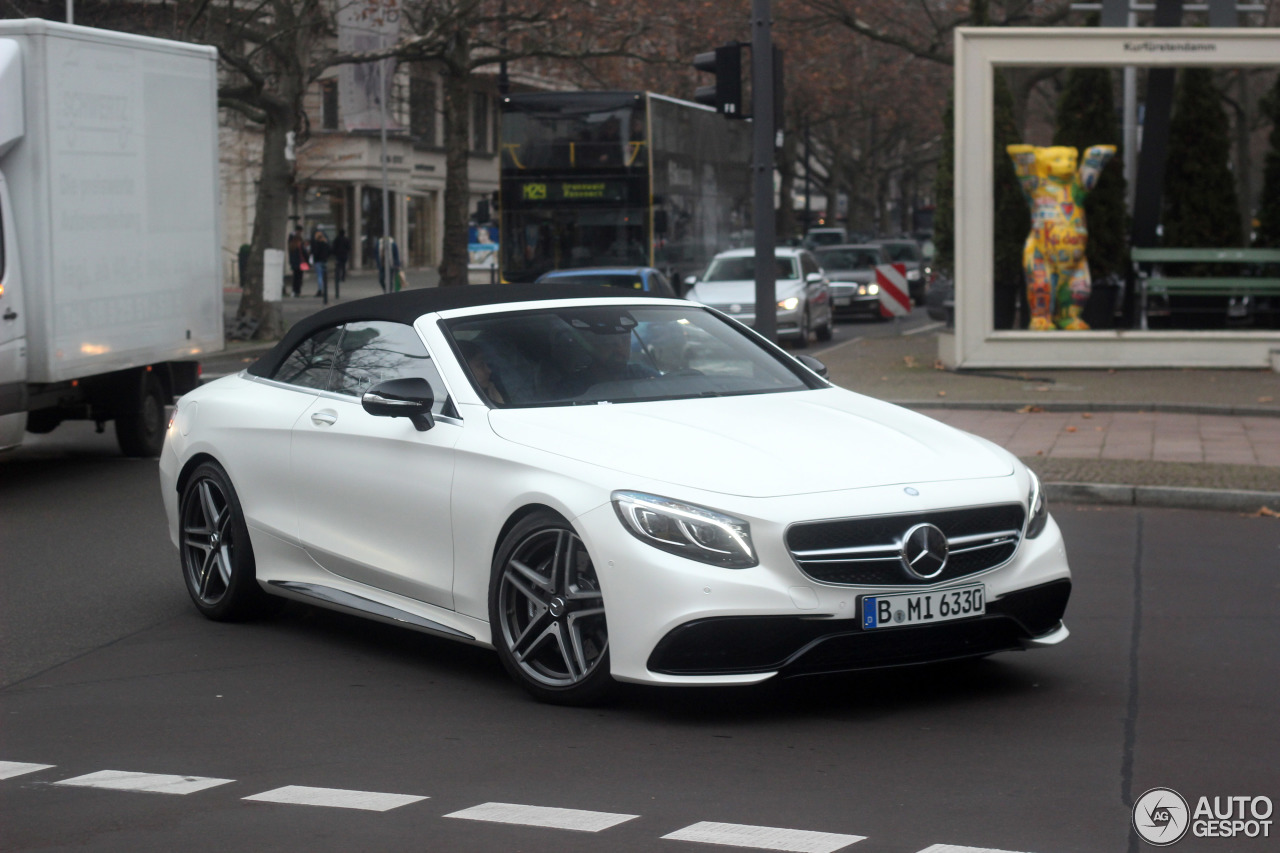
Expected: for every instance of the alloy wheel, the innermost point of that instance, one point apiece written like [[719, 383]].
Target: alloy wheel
[[551, 609], [208, 542]]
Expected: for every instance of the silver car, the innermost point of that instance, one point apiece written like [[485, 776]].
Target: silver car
[[803, 292]]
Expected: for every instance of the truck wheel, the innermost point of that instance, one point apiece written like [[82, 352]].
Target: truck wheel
[[140, 428]]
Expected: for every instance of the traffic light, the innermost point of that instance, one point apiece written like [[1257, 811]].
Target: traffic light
[[726, 95]]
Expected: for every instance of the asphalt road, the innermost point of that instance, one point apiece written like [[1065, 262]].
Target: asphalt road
[[1168, 680]]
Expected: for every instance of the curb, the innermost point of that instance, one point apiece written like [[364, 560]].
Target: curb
[[1067, 406], [1168, 497]]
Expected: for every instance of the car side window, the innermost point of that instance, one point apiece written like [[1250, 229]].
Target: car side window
[[808, 264], [311, 361], [374, 351]]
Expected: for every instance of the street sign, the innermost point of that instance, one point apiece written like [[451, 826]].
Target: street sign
[[894, 301]]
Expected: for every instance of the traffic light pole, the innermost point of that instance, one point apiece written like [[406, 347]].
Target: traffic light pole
[[762, 168]]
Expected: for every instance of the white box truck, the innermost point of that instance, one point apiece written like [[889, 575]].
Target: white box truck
[[110, 263]]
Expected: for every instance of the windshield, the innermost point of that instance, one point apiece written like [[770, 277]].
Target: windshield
[[838, 260], [537, 241], [616, 354], [902, 251], [743, 268]]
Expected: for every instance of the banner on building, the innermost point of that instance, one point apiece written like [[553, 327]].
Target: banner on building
[[366, 25]]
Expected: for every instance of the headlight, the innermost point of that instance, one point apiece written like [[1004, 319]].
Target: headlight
[[691, 531], [873, 289], [1037, 508], [789, 304]]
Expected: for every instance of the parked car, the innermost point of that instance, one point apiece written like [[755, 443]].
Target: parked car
[[908, 253], [500, 466], [940, 296], [852, 271], [804, 293], [640, 279]]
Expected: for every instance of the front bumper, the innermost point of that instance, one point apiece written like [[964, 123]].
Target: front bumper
[[854, 298], [676, 621], [792, 645]]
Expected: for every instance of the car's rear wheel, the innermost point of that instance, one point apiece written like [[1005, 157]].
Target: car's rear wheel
[[547, 613], [217, 557]]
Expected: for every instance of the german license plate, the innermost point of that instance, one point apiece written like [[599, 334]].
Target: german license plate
[[920, 608], [842, 301]]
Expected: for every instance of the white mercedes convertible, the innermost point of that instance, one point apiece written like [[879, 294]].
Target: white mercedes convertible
[[603, 487]]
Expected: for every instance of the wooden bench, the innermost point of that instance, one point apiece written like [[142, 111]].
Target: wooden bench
[[1202, 286]]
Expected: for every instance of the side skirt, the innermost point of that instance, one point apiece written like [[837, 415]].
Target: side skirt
[[336, 599]]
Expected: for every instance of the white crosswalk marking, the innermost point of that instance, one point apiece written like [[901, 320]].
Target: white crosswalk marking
[[371, 801], [764, 837], [9, 769], [552, 818], [956, 848], [156, 783]]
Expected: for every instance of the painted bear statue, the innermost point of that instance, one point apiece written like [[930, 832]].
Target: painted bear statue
[[1053, 259]]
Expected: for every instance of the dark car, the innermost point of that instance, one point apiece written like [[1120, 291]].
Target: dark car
[[940, 297], [641, 279], [852, 271]]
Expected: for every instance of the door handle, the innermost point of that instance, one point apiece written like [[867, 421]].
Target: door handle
[[324, 418], [10, 314]]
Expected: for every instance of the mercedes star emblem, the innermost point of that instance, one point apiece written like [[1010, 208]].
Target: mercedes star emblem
[[924, 551]]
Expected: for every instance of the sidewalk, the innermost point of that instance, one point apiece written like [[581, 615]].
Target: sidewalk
[[1189, 438]]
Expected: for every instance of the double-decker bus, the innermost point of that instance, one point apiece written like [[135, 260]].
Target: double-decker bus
[[619, 179]]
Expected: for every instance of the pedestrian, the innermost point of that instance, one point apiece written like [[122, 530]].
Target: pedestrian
[[341, 254], [384, 254], [297, 255], [320, 260]]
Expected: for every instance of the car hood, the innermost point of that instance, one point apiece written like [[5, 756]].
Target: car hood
[[763, 445], [725, 292]]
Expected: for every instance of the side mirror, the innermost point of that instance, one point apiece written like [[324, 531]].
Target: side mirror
[[813, 364], [813, 277], [690, 280], [410, 398]]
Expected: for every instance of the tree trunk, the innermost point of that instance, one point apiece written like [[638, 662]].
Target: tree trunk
[[256, 318], [457, 182]]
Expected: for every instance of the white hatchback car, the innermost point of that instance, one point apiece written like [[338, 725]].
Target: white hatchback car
[[602, 486], [804, 293]]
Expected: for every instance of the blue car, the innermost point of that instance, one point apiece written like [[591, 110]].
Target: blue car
[[641, 279]]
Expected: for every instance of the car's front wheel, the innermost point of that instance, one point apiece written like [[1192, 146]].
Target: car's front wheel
[[802, 340], [217, 557], [547, 613]]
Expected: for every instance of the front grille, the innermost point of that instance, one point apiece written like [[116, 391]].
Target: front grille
[[867, 551]]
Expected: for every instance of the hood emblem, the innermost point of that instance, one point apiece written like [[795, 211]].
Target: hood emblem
[[924, 551]]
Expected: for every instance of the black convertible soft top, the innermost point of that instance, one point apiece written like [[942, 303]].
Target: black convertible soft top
[[408, 305]]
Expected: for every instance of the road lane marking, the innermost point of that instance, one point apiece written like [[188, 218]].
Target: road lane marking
[[9, 769], [339, 798], [157, 783], [764, 837], [552, 818], [921, 329], [956, 848]]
